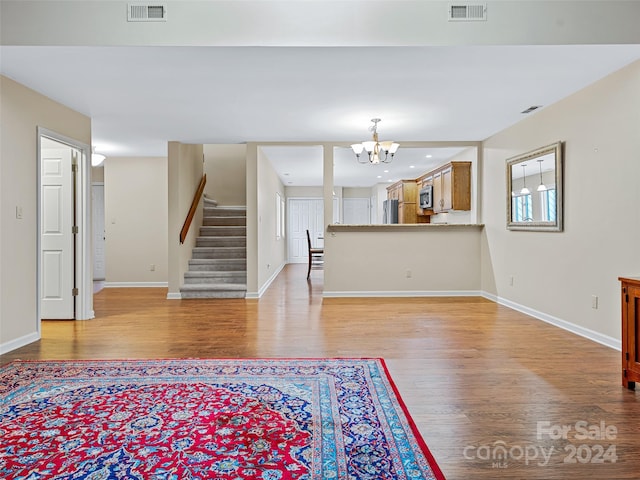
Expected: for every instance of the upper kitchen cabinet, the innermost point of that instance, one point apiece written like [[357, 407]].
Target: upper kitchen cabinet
[[451, 187]]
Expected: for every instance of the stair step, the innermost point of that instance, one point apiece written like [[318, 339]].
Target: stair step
[[208, 290], [223, 231], [217, 264], [224, 220], [219, 252], [225, 211], [221, 241], [232, 276]]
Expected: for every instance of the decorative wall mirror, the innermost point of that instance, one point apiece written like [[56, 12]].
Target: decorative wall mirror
[[534, 190]]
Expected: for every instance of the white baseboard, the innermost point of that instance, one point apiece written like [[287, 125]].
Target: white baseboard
[[174, 296], [570, 327], [19, 342], [403, 293], [135, 284], [267, 284]]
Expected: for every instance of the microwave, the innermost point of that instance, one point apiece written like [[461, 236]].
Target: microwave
[[426, 197]]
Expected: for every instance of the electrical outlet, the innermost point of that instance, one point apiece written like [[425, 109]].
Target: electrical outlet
[[18, 212], [408, 273], [511, 280], [594, 302], [152, 267]]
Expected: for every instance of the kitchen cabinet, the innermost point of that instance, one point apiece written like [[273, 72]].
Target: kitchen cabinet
[[406, 192], [452, 187], [630, 337]]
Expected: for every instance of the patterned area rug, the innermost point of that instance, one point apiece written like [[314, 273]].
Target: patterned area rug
[[207, 419]]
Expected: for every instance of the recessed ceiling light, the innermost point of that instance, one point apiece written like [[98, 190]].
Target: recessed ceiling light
[[379, 176], [412, 166], [386, 171], [429, 156]]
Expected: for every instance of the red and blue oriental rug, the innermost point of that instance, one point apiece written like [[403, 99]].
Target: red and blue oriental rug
[[207, 419]]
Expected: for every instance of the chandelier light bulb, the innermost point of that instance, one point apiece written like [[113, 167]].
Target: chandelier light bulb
[[377, 152]]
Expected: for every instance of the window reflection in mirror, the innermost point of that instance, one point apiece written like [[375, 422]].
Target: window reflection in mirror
[[534, 190], [360, 189]]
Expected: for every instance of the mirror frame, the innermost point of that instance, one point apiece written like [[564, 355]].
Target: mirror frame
[[558, 225]]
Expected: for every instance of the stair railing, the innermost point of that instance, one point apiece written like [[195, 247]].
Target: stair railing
[[192, 210]]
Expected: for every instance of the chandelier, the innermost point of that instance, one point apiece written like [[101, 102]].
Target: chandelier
[[377, 151]]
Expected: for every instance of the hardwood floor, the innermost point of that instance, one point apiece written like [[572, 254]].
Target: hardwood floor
[[475, 376]]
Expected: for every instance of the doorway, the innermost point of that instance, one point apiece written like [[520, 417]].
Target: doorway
[[64, 279], [304, 214]]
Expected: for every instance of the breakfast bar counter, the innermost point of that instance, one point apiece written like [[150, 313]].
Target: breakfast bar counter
[[402, 259]]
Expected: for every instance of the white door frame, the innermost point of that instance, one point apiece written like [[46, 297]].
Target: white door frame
[[83, 254]]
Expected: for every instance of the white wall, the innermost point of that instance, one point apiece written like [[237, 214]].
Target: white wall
[[226, 169], [136, 213], [23, 110], [557, 274], [381, 193]]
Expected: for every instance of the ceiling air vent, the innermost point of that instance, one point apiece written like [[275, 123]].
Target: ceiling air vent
[[531, 109], [467, 12], [147, 12]]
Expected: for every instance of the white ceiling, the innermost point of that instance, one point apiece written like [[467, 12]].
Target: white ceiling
[[139, 98]]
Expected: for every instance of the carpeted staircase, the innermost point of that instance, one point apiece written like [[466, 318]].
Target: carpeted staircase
[[218, 266]]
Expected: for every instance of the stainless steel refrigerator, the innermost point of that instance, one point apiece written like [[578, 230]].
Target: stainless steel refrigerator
[[390, 211]]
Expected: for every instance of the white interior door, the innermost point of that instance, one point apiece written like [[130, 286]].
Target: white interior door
[[57, 250], [304, 213], [97, 205]]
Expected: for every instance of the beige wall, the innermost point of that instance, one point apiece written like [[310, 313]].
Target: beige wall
[[402, 261], [271, 250], [97, 174], [226, 169], [252, 220], [185, 169], [22, 110], [309, 192], [356, 192], [557, 274], [136, 211]]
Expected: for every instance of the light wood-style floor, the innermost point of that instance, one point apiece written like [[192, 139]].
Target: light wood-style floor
[[475, 376]]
